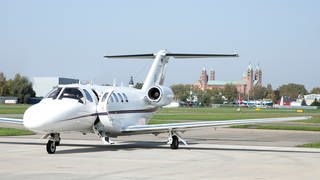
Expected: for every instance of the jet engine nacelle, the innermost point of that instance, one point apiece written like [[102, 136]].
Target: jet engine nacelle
[[160, 96]]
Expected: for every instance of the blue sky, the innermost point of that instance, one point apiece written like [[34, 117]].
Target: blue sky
[[69, 38]]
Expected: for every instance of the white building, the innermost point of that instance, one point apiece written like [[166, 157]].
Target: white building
[[311, 97], [42, 85]]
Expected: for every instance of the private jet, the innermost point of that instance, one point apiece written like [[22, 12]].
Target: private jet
[[110, 111]]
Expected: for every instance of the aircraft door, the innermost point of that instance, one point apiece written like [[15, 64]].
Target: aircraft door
[[103, 109]]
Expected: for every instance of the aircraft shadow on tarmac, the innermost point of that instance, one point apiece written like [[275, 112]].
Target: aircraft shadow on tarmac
[[138, 145]]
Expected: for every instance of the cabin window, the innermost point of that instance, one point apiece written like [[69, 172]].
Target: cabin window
[[111, 99], [121, 98], [125, 96], [105, 97], [96, 94], [115, 97], [88, 95], [72, 93], [54, 93]]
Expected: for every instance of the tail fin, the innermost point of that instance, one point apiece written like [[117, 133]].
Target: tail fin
[[156, 73]]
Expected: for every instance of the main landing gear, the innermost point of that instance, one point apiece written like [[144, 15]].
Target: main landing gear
[[53, 142], [174, 140]]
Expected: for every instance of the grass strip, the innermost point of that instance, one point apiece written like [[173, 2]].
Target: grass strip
[[310, 145], [13, 108], [279, 127], [14, 132]]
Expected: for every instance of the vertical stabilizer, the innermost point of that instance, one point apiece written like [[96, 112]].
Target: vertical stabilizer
[[156, 73]]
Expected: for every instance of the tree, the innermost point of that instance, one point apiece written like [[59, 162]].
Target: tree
[[3, 85], [230, 92], [181, 91], [138, 85], [292, 90], [258, 92], [209, 96], [203, 98], [315, 90], [315, 103], [276, 97], [270, 93], [217, 99], [20, 87]]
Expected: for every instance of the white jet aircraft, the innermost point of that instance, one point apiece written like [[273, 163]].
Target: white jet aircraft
[[110, 111]]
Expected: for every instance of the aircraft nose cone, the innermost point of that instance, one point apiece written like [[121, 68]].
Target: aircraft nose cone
[[44, 116], [31, 118], [40, 116]]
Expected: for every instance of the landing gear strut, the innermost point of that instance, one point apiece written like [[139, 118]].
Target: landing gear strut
[[174, 140], [53, 142]]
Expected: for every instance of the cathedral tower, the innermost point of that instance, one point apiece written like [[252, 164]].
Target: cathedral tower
[[212, 75], [249, 78], [204, 79], [258, 76]]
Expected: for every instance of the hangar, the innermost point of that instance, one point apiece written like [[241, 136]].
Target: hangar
[[42, 85]]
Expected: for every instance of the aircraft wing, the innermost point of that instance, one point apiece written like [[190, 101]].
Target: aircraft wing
[[160, 128], [11, 120]]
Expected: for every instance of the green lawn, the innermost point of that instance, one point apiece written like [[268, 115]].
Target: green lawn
[[177, 115], [14, 132], [311, 145], [13, 108], [226, 113], [279, 127]]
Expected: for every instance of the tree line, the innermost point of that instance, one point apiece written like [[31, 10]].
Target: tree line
[[229, 93], [19, 87]]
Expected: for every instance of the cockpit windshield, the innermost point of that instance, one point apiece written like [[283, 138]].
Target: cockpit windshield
[[54, 93], [72, 93]]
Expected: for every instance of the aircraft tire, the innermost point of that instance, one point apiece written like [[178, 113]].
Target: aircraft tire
[[51, 147], [175, 142]]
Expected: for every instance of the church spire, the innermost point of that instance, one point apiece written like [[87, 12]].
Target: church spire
[[131, 83]]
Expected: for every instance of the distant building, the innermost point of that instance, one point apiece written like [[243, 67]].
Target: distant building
[[285, 101], [8, 100], [249, 80], [42, 85]]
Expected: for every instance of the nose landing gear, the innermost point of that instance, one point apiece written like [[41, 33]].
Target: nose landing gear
[[53, 142]]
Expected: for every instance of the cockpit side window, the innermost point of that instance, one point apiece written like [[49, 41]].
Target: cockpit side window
[[54, 93], [72, 93]]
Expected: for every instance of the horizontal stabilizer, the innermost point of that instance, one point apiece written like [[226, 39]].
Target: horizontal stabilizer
[[182, 55], [167, 54], [133, 56]]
